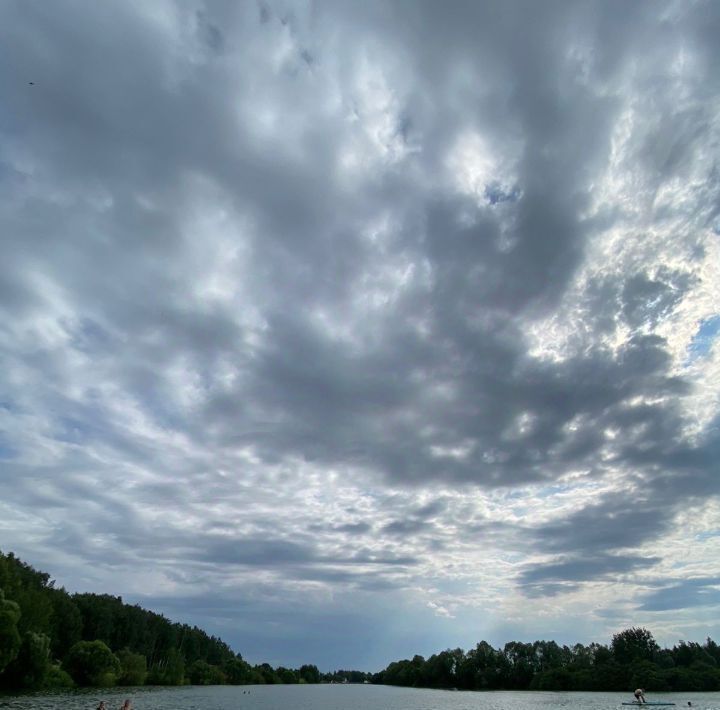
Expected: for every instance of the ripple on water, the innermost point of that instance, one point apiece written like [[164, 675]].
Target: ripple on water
[[333, 697]]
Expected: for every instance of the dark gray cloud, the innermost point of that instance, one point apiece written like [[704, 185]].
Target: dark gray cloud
[[371, 297], [582, 569], [683, 595]]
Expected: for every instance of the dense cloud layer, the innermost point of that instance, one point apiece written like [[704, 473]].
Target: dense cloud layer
[[311, 308]]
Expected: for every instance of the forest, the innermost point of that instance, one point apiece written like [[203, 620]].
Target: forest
[[50, 638], [633, 660]]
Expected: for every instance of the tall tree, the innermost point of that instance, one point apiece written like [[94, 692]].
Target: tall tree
[[309, 674], [65, 623], [634, 644], [133, 668], [32, 664], [9, 635]]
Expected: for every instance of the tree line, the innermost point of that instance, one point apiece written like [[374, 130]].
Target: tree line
[[50, 638], [632, 660]]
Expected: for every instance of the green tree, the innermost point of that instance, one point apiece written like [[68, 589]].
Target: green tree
[[610, 675], [175, 667], [635, 644], [287, 676], [32, 664], [713, 650], [269, 676], [65, 623], [491, 667], [56, 677], [204, 673], [92, 663], [9, 635], [237, 671], [685, 654], [200, 673], [38, 607], [29, 589], [309, 674], [648, 675], [440, 669], [406, 673], [550, 656], [133, 668], [665, 659], [99, 614], [168, 670], [256, 677], [521, 661], [552, 679], [702, 676]]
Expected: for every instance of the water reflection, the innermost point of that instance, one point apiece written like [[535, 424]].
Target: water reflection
[[334, 697]]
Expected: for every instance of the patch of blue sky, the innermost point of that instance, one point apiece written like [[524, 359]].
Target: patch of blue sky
[[90, 337], [78, 429], [495, 194], [7, 452], [548, 491], [702, 340], [156, 406]]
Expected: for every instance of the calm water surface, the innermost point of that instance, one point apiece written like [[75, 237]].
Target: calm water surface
[[336, 697]]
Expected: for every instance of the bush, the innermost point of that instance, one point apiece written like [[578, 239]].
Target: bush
[[92, 663], [203, 673], [56, 677], [200, 673], [237, 671], [133, 668]]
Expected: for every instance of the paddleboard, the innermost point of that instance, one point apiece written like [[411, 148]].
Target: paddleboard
[[649, 702]]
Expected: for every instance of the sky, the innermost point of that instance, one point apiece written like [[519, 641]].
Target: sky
[[354, 330]]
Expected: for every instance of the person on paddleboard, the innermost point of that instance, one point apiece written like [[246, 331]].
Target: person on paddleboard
[[640, 695]]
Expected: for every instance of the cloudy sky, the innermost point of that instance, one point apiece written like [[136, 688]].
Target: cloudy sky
[[354, 330]]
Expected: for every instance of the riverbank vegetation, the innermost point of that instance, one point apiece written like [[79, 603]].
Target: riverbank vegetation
[[50, 638], [632, 660]]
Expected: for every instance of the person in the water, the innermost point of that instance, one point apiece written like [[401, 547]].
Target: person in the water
[[102, 705], [640, 695], [127, 705]]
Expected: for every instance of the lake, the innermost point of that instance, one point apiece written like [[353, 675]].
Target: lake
[[336, 697]]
